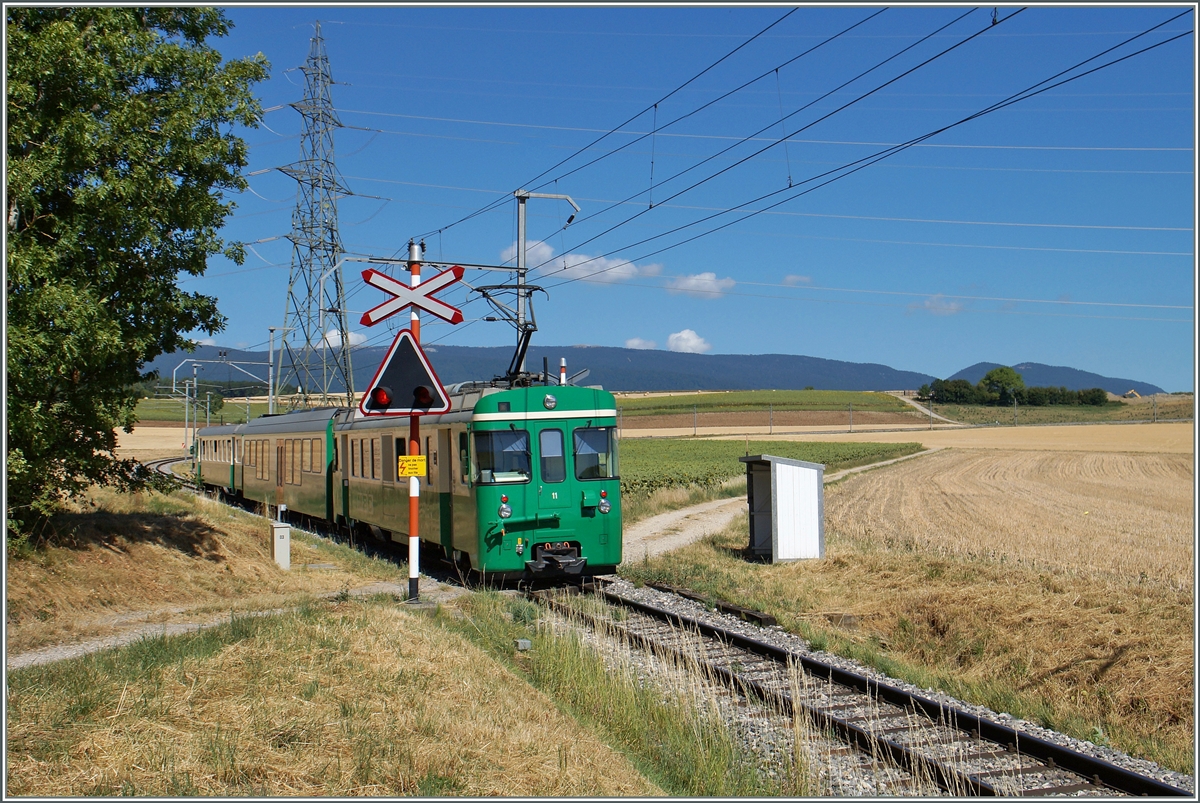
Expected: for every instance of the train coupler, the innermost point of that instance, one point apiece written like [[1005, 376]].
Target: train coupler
[[556, 558]]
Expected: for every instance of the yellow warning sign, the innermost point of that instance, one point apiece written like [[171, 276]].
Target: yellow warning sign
[[410, 465]]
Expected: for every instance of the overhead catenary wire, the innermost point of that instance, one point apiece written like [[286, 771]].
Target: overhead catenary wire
[[731, 92], [823, 117]]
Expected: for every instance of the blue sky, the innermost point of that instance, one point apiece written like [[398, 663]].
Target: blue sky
[[1057, 230]]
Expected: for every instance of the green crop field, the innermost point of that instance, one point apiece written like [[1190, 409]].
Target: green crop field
[[743, 400], [172, 410], [648, 465]]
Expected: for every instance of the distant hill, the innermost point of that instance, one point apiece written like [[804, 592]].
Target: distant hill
[[650, 369], [1037, 375], [613, 368]]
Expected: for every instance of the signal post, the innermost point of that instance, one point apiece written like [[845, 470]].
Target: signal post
[[405, 383], [414, 445]]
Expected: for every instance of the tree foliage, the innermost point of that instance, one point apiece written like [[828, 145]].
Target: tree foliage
[[1003, 383], [1000, 390], [119, 150]]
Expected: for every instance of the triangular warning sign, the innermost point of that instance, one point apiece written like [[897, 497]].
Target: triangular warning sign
[[405, 383]]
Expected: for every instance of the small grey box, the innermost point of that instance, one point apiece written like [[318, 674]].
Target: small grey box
[[524, 644]]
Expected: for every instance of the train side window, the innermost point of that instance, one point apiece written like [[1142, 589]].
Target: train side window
[[502, 456], [554, 462], [354, 457], [595, 453], [388, 462], [376, 459], [318, 456], [463, 458]]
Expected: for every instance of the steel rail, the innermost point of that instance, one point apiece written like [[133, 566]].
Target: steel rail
[[1095, 771]]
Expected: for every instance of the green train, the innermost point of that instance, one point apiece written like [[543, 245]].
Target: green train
[[520, 482]]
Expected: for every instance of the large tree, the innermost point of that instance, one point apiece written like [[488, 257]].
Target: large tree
[[1003, 382], [120, 148]]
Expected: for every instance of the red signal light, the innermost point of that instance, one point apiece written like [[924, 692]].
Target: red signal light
[[503, 497], [604, 494], [381, 397]]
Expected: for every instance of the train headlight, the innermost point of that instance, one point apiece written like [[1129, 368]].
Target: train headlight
[[604, 506], [549, 402], [505, 511]]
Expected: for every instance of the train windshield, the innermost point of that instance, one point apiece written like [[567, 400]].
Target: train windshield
[[502, 456], [595, 453]]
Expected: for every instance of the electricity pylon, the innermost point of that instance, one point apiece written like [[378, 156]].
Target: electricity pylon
[[316, 292]]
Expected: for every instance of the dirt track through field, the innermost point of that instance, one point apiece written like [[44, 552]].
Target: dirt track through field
[[1115, 514]]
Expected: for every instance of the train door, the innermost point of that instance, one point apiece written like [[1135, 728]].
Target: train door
[[552, 487], [279, 472], [443, 460], [343, 465]]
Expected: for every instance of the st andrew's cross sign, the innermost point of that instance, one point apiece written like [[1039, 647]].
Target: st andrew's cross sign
[[419, 296]]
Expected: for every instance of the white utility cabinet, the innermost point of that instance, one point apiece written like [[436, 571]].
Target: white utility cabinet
[[281, 544], [787, 507]]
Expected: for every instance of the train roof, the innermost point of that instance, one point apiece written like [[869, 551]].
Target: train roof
[[296, 421], [468, 400], [219, 430]]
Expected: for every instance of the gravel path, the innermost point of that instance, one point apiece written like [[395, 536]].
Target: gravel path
[[924, 410], [677, 528], [134, 626]]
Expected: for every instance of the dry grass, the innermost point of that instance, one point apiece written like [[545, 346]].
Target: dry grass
[[356, 698], [979, 573], [156, 558]]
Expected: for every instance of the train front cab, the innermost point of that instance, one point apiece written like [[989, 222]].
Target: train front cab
[[544, 469]]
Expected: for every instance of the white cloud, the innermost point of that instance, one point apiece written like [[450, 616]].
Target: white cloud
[[638, 343], [792, 280], [700, 285], [938, 305], [333, 338], [688, 342], [578, 266], [207, 341]]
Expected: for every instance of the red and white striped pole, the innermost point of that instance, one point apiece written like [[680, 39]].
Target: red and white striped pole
[[414, 446], [562, 370]]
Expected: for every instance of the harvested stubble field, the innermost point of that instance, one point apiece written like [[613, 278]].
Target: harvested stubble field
[[1053, 585], [1103, 515]]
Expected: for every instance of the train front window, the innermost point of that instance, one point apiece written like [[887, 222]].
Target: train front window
[[502, 456], [554, 461], [595, 453]]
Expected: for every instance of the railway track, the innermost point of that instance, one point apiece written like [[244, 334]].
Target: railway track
[[164, 465], [964, 753]]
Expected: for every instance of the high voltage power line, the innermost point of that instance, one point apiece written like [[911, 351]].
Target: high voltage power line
[[859, 164]]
